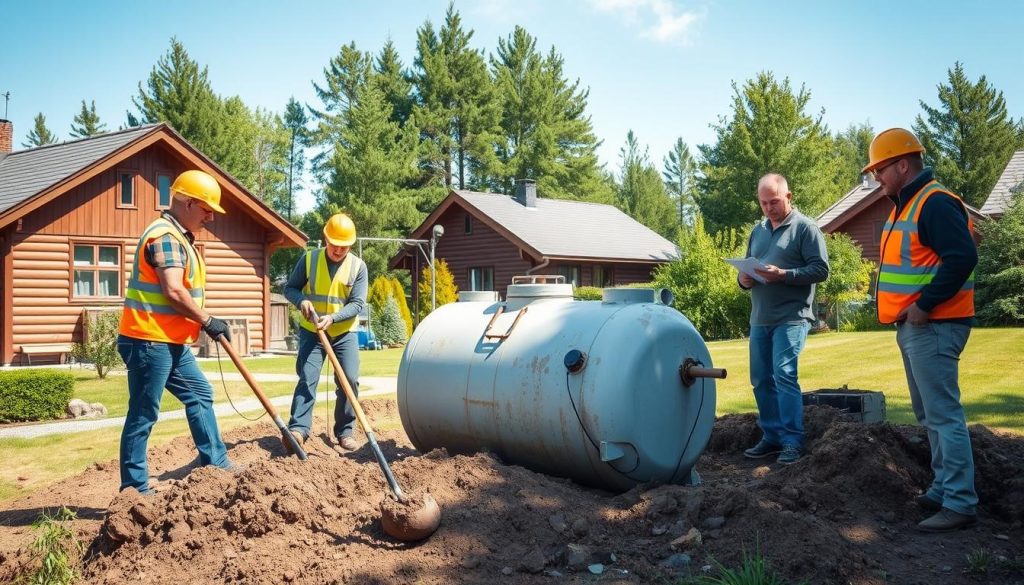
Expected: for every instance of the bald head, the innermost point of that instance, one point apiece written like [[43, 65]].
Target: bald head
[[774, 197]]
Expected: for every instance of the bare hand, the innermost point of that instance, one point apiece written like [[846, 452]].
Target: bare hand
[[746, 280], [323, 322], [306, 308], [771, 273], [913, 316]]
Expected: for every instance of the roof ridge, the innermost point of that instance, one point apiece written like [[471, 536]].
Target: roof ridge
[[93, 137]]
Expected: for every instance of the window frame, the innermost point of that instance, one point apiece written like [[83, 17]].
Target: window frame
[[567, 270], [156, 188], [467, 224], [118, 195], [607, 274], [95, 269], [485, 271]]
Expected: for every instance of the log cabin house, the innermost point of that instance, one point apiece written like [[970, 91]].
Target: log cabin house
[[489, 238], [70, 217]]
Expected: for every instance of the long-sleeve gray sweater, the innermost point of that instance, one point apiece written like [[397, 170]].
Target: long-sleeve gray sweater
[[798, 247]]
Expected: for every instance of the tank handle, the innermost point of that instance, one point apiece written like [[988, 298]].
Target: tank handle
[[692, 369], [501, 309]]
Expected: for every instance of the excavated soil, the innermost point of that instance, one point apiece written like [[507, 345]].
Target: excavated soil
[[843, 514]]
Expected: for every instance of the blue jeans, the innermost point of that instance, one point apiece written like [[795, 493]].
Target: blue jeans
[[308, 365], [153, 366], [774, 350], [931, 357]]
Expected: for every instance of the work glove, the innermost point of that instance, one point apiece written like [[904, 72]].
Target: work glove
[[215, 327]]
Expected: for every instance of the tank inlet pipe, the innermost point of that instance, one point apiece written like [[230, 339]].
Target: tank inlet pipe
[[692, 369]]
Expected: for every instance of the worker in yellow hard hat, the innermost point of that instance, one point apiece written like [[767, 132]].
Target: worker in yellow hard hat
[[329, 286], [164, 310], [926, 287]]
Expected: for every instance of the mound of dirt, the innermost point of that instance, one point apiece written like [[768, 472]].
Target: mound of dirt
[[843, 514]]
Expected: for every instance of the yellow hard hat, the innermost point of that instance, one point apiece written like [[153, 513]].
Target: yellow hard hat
[[199, 185], [340, 231], [890, 144]]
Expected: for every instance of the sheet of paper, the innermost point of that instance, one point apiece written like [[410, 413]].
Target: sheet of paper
[[747, 266]]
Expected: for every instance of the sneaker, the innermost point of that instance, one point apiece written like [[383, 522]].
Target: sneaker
[[762, 449], [288, 445], [790, 454], [348, 443], [946, 520], [926, 503], [234, 468]]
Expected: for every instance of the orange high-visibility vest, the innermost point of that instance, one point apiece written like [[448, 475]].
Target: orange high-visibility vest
[[147, 312], [907, 266], [330, 295]]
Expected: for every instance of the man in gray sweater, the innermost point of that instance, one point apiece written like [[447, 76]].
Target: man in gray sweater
[[793, 250]]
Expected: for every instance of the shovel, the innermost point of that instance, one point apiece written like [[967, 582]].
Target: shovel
[[296, 447], [411, 519]]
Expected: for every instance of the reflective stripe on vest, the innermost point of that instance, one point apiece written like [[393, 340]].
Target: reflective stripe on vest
[[906, 266], [327, 294], [147, 312]]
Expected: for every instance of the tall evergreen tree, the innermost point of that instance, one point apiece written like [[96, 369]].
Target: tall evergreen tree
[[395, 82], [345, 75], [87, 122], [642, 194], [968, 137], [546, 134], [680, 176], [768, 132], [295, 121], [40, 135], [178, 92]]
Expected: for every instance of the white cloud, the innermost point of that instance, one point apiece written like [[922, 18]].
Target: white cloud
[[661, 20]]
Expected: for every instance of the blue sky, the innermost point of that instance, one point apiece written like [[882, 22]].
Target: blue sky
[[662, 68]]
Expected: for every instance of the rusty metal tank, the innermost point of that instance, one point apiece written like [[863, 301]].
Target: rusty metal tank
[[609, 393]]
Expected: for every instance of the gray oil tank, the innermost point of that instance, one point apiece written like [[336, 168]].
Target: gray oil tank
[[610, 393]]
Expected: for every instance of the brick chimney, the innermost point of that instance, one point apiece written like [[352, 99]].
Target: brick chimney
[[526, 192], [6, 136]]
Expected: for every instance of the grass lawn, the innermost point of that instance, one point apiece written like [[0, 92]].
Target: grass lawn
[[989, 379]]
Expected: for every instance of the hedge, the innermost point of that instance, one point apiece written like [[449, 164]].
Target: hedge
[[34, 394]]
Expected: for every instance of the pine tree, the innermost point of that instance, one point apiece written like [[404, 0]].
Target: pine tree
[[395, 82], [295, 121], [40, 135], [680, 180], [768, 132], [546, 134], [968, 137], [87, 122], [642, 194], [398, 293], [389, 327], [445, 292]]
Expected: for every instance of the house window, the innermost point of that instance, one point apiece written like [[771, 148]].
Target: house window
[[571, 274], [603, 276], [126, 188], [163, 190], [97, 271], [468, 224], [481, 278]]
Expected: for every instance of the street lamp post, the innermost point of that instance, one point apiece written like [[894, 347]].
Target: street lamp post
[[435, 235]]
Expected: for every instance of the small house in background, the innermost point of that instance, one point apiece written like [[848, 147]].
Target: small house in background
[[489, 238], [861, 214], [70, 217], [1010, 181]]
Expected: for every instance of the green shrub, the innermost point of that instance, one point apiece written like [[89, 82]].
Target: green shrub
[[389, 326], [861, 318], [101, 347], [588, 293], [34, 394]]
